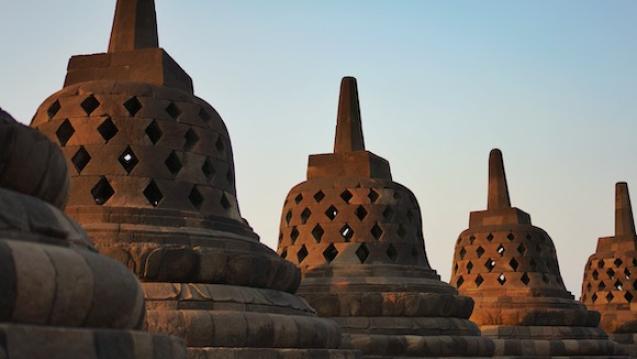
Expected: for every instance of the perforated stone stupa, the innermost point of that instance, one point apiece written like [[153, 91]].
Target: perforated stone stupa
[[610, 277], [510, 268], [357, 236], [153, 183], [59, 298]]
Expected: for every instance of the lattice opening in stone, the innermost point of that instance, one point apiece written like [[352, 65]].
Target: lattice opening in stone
[[618, 285], [294, 235], [373, 196], [472, 239], [53, 109], [510, 237], [153, 194], [65, 132], [317, 233], [463, 253], [388, 213], [479, 280], [489, 264], [301, 254], [618, 262], [208, 169], [629, 297], [90, 104], [401, 231], [305, 215], [490, 237], [525, 279], [284, 254], [330, 253], [361, 213], [331, 213], [220, 145], [204, 115], [469, 267], [501, 250], [594, 297], [128, 160], [627, 273], [362, 253], [392, 253], [81, 159], [102, 191], [502, 279], [225, 203], [133, 106], [611, 273], [191, 139], [288, 216], [154, 132], [514, 264], [521, 249], [634, 262], [455, 268], [376, 231], [595, 275], [459, 282], [347, 196], [173, 111], [107, 129], [195, 198], [173, 163], [600, 263], [346, 232], [480, 252], [298, 198], [318, 196], [610, 297]]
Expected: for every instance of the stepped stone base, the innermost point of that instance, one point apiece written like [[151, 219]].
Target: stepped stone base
[[627, 341], [269, 353], [38, 342]]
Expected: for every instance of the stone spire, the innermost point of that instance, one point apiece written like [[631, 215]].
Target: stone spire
[[134, 26], [498, 189], [624, 221], [349, 132]]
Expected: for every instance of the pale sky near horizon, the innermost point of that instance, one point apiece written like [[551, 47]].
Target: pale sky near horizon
[[551, 83]]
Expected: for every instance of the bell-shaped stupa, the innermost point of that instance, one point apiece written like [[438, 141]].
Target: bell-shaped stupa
[[357, 237], [510, 268], [610, 277], [59, 298], [153, 183]]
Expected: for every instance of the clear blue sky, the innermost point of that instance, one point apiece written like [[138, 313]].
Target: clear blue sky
[[551, 83]]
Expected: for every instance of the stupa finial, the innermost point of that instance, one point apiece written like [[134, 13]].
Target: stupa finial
[[134, 26], [349, 131], [624, 221], [498, 189]]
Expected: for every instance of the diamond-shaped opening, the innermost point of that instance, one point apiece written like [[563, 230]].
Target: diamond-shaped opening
[[361, 213], [479, 280], [618, 285], [154, 132], [90, 104], [634, 262], [331, 213], [195, 198], [173, 163], [318, 196], [480, 251], [611, 273], [392, 253], [284, 254], [595, 275], [220, 145], [225, 203], [330, 253], [346, 196], [514, 264], [107, 129], [153, 194], [102, 191], [388, 213], [502, 279], [525, 279], [208, 169], [521, 249], [610, 297], [629, 297], [594, 297], [589, 286], [133, 106], [455, 268], [463, 253], [401, 231], [298, 198], [627, 273], [317, 233], [510, 237], [469, 267], [346, 232], [362, 253], [373, 196], [301, 254], [472, 239], [459, 282], [376, 231], [128, 160], [191, 139], [501, 250], [65, 132], [305, 215], [204, 115], [618, 262], [53, 109], [635, 285], [81, 159], [294, 235], [173, 111], [489, 264], [600, 263], [288, 216], [490, 237]]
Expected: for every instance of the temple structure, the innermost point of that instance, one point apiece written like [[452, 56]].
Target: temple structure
[[59, 298], [153, 183], [510, 268], [610, 277], [357, 237]]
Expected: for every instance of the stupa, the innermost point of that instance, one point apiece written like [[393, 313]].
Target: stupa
[[610, 277], [153, 183], [357, 237], [59, 298], [510, 268]]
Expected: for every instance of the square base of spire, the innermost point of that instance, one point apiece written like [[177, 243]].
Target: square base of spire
[[495, 217], [348, 164]]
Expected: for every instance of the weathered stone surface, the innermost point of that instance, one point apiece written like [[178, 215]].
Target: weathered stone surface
[[510, 268]]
